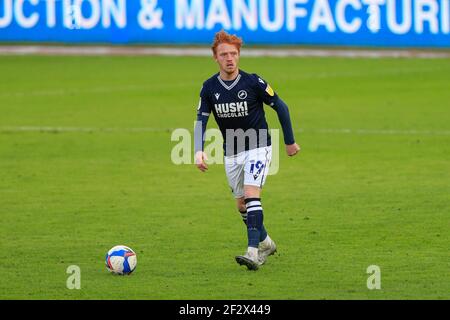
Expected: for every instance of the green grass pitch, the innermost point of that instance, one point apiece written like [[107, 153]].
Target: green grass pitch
[[370, 187]]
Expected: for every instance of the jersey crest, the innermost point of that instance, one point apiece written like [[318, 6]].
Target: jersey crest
[[242, 94]]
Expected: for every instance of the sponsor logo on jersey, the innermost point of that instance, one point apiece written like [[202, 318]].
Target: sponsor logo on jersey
[[231, 110], [217, 95]]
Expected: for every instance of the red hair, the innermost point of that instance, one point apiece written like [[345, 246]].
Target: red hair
[[224, 37]]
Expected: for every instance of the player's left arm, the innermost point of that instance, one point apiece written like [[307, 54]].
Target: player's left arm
[[272, 99], [282, 110]]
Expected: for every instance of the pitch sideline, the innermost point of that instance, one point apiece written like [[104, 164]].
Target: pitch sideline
[[204, 51], [49, 129]]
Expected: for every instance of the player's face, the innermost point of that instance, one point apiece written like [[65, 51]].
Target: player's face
[[227, 56]]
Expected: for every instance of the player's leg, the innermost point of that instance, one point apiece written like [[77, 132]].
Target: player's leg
[[254, 227], [242, 208], [253, 193], [240, 204], [257, 233], [255, 216], [255, 173], [234, 169]]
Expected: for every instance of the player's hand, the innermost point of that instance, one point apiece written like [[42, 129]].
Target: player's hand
[[292, 149], [200, 158]]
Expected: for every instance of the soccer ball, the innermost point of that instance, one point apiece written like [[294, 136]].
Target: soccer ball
[[121, 260]]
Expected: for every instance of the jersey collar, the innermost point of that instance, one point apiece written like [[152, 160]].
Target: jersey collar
[[231, 86]]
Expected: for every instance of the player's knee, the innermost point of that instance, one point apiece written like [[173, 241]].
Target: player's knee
[[240, 204], [242, 209], [252, 192]]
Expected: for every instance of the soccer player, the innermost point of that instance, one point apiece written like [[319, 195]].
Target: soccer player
[[236, 99]]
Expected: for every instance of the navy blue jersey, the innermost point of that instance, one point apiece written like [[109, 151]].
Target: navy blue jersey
[[238, 109]]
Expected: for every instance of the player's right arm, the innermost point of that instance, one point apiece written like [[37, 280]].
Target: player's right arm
[[203, 112]]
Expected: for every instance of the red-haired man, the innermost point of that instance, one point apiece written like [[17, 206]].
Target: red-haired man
[[236, 100]]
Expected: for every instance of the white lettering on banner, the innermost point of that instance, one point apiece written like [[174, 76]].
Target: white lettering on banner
[[398, 17], [218, 13], [445, 16], [374, 11], [423, 15], [189, 17], [69, 14], [247, 13], [51, 13], [150, 16], [321, 16], [277, 23], [93, 20], [22, 20], [294, 12], [406, 17], [74, 14], [343, 24], [273, 15], [106, 10], [7, 14], [117, 11]]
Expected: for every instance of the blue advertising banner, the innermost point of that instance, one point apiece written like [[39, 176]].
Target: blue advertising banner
[[385, 23]]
